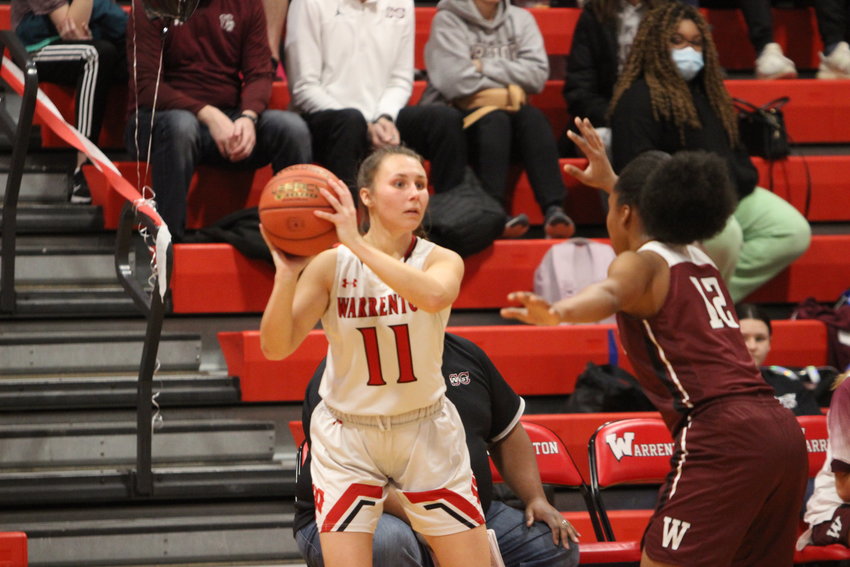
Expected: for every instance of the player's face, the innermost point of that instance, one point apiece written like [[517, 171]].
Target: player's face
[[616, 230], [757, 337], [400, 192]]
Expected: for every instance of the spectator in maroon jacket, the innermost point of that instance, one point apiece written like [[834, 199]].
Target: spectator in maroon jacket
[[211, 104]]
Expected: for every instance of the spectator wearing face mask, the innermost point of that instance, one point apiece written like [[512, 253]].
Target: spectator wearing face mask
[[670, 96]]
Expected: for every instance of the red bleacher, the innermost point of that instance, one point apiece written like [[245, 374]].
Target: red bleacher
[[813, 115], [554, 356], [795, 29], [13, 549], [215, 278]]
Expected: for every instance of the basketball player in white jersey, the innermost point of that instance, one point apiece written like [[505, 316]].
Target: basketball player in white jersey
[[384, 423]]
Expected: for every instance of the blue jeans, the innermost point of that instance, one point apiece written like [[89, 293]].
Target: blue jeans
[[395, 544], [181, 143]]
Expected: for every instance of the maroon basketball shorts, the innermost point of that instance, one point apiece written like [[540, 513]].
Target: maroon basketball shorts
[[734, 494]]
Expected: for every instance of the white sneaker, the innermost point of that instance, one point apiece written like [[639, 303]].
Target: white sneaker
[[837, 64], [772, 64]]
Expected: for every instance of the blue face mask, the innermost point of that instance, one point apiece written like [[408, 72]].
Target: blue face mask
[[688, 61]]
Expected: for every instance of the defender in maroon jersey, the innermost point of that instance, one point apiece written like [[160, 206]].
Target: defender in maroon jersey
[[738, 471]]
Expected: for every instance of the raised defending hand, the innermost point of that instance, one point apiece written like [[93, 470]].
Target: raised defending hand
[[598, 172], [345, 213], [563, 532], [535, 309]]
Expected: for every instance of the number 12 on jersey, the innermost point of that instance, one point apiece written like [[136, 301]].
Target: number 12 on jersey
[[373, 355], [715, 303]]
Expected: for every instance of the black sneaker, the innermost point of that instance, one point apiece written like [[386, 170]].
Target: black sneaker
[[80, 194], [517, 226], [558, 224]]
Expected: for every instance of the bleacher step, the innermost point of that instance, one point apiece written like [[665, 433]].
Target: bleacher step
[[110, 301], [268, 479], [39, 186], [80, 260], [92, 351], [82, 444], [158, 535], [27, 393], [58, 218]]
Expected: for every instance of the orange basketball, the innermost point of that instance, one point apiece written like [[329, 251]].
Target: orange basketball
[[286, 210]]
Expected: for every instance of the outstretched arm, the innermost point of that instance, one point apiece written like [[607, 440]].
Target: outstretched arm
[[628, 288], [515, 459]]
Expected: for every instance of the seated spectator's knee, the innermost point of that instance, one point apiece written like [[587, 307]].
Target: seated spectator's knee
[[529, 112], [444, 117], [800, 234], [394, 540], [177, 128], [496, 121], [108, 53], [284, 124]]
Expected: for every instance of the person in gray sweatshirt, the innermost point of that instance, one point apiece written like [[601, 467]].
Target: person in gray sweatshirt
[[483, 44]]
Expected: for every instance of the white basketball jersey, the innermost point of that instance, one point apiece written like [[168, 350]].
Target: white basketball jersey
[[384, 354]]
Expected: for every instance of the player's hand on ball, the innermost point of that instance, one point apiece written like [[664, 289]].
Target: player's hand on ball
[[535, 309], [345, 213], [283, 262]]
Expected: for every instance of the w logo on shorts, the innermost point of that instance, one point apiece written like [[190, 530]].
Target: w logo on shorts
[[674, 532], [835, 528]]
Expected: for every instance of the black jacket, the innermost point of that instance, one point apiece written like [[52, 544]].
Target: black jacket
[[591, 68], [634, 130]]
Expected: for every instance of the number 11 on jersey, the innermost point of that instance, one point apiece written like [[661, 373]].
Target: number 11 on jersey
[[373, 355]]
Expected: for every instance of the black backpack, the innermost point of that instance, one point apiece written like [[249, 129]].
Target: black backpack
[[240, 229], [464, 219]]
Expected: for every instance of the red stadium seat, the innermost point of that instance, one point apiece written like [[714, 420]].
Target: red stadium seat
[[615, 460], [557, 468], [627, 452], [814, 428]]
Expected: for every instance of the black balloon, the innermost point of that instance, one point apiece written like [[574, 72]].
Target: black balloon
[[179, 10]]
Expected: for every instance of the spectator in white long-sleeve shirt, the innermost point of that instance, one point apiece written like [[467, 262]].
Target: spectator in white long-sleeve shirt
[[349, 64]]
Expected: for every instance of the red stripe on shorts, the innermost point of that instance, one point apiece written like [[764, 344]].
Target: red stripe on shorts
[[451, 498]]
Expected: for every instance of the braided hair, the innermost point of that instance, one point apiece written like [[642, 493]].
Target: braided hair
[[669, 94]]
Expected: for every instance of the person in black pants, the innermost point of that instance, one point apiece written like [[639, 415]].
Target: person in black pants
[[80, 43], [481, 47], [834, 27], [350, 72]]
